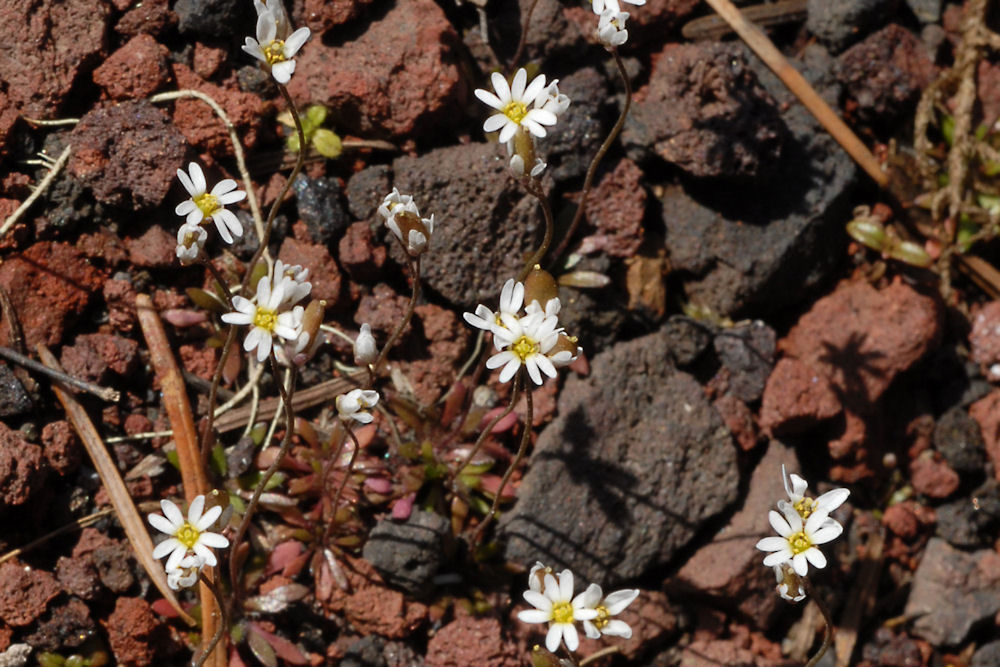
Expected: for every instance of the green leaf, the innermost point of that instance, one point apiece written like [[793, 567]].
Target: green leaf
[[327, 143], [206, 300], [315, 115], [948, 129], [219, 459]]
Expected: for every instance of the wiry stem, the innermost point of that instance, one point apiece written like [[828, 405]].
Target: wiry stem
[[220, 281], [828, 631], [482, 438], [525, 438], [592, 169], [347, 473], [223, 622], [415, 270], [536, 190]]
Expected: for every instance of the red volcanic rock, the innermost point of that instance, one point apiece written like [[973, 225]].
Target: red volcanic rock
[[136, 636], [360, 256], [323, 271], [207, 60], [383, 309], [24, 593], [397, 78], [984, 340], [321, 15], [49, 42], [148, 16], [370, 606], [616, 208], [22, 468], [155, 249], [127, 154], [796, 397], [932, 477], [986, 411], [202, 127], [119, 295], [50, 285], [62, 446], [95, 356], [8, 116], [471, 641], [136, 70]]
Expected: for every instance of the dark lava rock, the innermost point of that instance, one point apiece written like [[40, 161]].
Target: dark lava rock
[[209, 17], [747, 352], [127, 154], [550, 35], [66, 625], [408, 554], [321, 15], [14, 400], [887, 649], [759, 248], [595, 316], [987, 655], [971, 522], [837, 24], [959, 440], [95, 357], [366, 652], [705, 111], [22, 469], [78, 577], [687, 339], [366, 189], [952, 592], [484, 223], [886, 73], [634, 465], [571, 145], [62, 446], [319, 205]]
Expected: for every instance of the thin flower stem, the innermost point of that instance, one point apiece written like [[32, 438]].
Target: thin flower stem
[[286, 443], [524, 35], [219, 280], [213, 392], [415, 270], [347, 473], [482, 438], [536, 190], [223, 624], [571, 655], [828, 632], [592, 169], [525, 438]]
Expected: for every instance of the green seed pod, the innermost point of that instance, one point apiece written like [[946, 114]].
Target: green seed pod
[[327, 143], [867, 232], [911, 253]]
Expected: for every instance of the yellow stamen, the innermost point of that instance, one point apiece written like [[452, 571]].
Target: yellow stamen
[[799, 542], [265, 319], [515, 110], [524, 347], [602, 617], [274, 52], [805, 507], [188, 535], [208, 203], [562, 612]]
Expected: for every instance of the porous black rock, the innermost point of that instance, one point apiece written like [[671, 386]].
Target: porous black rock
[[320, 208], [208, 18], [408, 554]]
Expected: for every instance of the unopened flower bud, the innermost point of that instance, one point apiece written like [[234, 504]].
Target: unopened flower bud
[[412, 230], [565, 351], [365, 349], [540, 286]]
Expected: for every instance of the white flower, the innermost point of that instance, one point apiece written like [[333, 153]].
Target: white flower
[[515, 106], [789, 583], [611, 30], [265, 317], [277, 9], [402, 217], [394, 203], [797, 541], [187, 536], [555, 605], [528, 340], [276, 54], [796, 487], [353, 405], [551, 99], [365, 348], [185, 574], [517, 166], [536, 578], [606, 607], [190, 240], [601, 5], [294, 278], [204, 204], [511, 298]]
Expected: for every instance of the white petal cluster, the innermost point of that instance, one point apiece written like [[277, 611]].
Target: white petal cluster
[[190, 240], [611, 30], [790, 586], [551, 595], [272, 311], [273, 47], [355, 405], [190, 543], [802, 525], [515, 105], [601, 5], [529, 339], [402, 217], [203, 205]]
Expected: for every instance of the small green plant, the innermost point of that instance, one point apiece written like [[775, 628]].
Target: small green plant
[[324, 140]]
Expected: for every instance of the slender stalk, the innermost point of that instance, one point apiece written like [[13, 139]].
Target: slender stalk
[[415, 270], [347, 473], [213, 394], [525, 438], [482, 438], [588, 181], [524, 35], [536, 190], [572, 656], [223, 622], [828, 632], [286, 443], [220, 280]]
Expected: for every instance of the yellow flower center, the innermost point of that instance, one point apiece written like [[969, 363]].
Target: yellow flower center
[[274, 52], [799, 542], [805, 507], [516, 111], [208, 203], [524, 347], [562, 612], [602, 617], [265, 319], [187, 535]]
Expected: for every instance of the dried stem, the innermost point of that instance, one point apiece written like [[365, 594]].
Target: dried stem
[[524, 35], [37, 192], [588, 181], [220, 280], [104, 393], [223, 620], [525, 438]]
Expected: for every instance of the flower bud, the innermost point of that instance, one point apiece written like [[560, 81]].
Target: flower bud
[[540, 286], [365, 349], [412, 230], [563, 345]]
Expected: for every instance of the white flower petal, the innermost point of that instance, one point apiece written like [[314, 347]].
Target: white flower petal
[[493, 123], [295, 41], [816, 557], [570, 636], [488, 98], [616, 602], [617, 628], [533, 616]]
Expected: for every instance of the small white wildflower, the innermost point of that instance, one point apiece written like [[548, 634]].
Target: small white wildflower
[[187, 536], [536, 578], [185, 575], [365, 348], [552, 100], [798, 541], [515, 106], [402, 217], [276, 54], [511, 298], [796, 487], [790, 585], [555, 605], [295, 280], [265, 317], [204, 204], [353, 405], [190, 240], [277, 9], [606, 607], [527, 340], [611, 30], [601, 5]]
